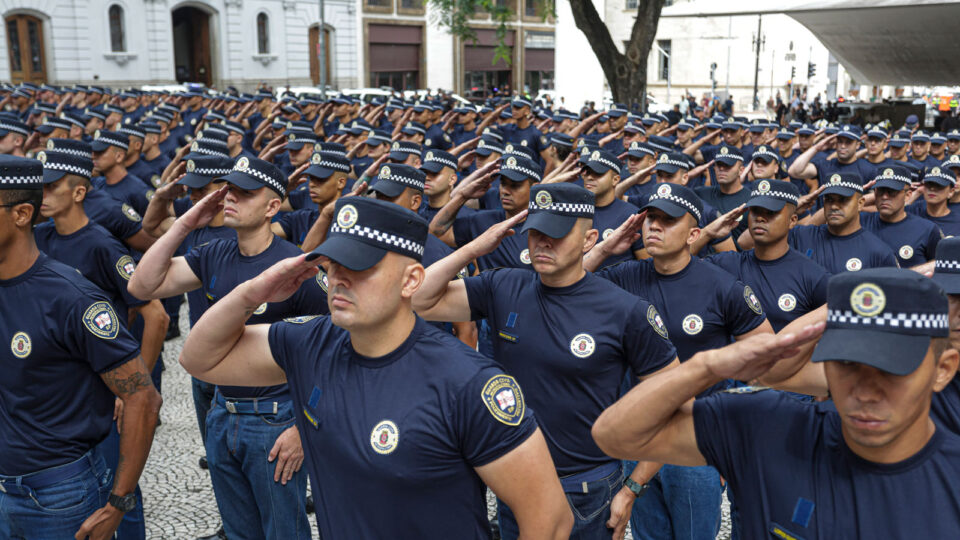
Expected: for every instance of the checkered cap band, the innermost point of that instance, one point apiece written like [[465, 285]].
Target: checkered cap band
[[678, 200], [265, 178], [764, 152], [74, 120], [132, 132], [390, 240], [782, 195], [897, 177], [505, 166], [213, 173], [492, 146], [16, 129], [563, 208], [951, 267], [935, 321], [24, 181], [112, 109], [441, 160], [681, 164], [642, 149], [407, 149], [71, 151], [401, 179], [379, 138], [736, 157], [67, 168], [606, 162], [415, 129], [335, 165], [850, 185], [105, 136]]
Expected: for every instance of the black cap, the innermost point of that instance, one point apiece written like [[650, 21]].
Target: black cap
[[519, 168], [488, 145], [772, 195], [435, 160], [392, 179], [671, 162], [947, 267], [105, 139], [601, 161], [51, 123], [882, 317], [765, 153], [937, 176], [729, 155], [207, 147], [366, 229], [893, 177], [520, 150], [56, 165], [324, 164], [845, 184], [20, 173], [850, 132], [785, 134], [333, 147], [676, 200], [401, 150], [202, 170], [70, 146], [255, 173], [640, 150], [555, 208]]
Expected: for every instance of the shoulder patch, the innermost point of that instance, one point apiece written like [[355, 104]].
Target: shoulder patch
[[504, 399], [101, 320], [300, 320], [752, 301], [130, 212], [656, 321], [745, 390], [125, 266], [322, 280]]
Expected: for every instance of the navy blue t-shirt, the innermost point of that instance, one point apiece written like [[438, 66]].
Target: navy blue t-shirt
[[297, 224], [913, 238], [703, 306], [793, 476], [197, 299], [841, 253], [828, 167], [512, 251], [392, 442], [221, 268], [570, 348], [639, 194], [949, 224], [131, 190], [53, 405], [793, 283], [121, 219], [606, 219], [428, 212], [97, 255], [945, 406], [724, 202], [300, 198]]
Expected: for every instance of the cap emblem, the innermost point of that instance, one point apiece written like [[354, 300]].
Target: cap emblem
[[868, 300], [634, 145], [347, 217], [663, 158], [96, 134], [291, 137], [888, 173], [195, 146], [316, 159], [846, 128], [50, 146], [763, 186], [511, 162], [935, 170], [664, 190], [508, 147], [595, 155], [543, 199], [762, 149], [429, 156], [396, 146], [724, 150], [385, 172], [835, 179], [242, 164], [191, 166]]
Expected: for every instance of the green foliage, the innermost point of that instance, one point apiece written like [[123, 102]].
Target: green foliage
[[455, 15]]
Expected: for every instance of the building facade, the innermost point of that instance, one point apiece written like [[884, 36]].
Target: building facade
[[218, 42]]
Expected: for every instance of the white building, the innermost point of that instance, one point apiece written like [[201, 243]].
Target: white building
[[219, 42]]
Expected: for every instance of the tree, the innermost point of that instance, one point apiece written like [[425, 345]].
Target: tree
[[626, 72]]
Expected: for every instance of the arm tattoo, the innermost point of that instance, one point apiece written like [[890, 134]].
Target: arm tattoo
[[129, 385]]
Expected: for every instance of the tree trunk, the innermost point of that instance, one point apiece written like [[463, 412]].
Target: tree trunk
[[626, 73]]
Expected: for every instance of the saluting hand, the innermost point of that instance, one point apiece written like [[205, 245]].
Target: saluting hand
[[288, 451], [281, 280], [491, 238], [725, 224], [750, 358], [624, 236], [806, 201], [204, 211]]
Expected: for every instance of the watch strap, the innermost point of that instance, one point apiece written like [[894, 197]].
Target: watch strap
[[123, 503], [633, 486]]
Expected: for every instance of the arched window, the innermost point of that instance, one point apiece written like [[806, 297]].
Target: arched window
[[117, 38], [263, 34]]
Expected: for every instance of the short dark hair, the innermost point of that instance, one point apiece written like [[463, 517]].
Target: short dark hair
[[34, 197]]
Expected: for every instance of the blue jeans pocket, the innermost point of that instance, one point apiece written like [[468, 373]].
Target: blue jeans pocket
[[284, 416], [587, 506], [68, 496]]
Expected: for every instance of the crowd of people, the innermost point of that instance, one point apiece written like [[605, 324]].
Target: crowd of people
[[605, 318]]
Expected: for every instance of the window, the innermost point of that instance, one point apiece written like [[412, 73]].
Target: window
[[410, 7], [631, 4], [530, 8], [663, 54], [378, 6], [117, 39], [263, 34]]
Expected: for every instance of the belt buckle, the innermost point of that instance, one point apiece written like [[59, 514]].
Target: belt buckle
[[2, 489], [231, 407]]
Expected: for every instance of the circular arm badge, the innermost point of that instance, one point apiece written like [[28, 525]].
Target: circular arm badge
[[504, 399]]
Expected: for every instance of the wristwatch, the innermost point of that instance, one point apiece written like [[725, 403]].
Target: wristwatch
[[123, 504], [637, 489]]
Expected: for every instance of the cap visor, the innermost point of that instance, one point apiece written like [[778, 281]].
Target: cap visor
[[727, 160], [666, 167], [950, 283], [514, 175], [549, 224], [50, 176], [889, 184], [848, 135], [242, 181], [672, 209], [195, 181], [767, 203], [784, 136], [763, 158], [398, 156], [388, 188], [839, 190], [432, 166], [295, 145], [898, 354], [317, 171], [350, 252], [99, 146], [597, 167], [45, 128]]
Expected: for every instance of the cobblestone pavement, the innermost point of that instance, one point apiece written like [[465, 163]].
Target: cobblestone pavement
[[178, 496]]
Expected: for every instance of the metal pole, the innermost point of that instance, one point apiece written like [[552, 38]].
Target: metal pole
[[729, 37], [756, 69], [322, 54]]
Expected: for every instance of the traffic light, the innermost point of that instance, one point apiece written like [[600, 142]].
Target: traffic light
[[793, 72], [811, 70]]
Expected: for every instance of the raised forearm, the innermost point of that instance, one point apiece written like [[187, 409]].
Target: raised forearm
[[317, 233], [444, 219], [153, 267], [218, 330]]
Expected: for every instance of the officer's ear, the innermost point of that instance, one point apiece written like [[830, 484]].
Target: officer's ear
[[415, 200], [341, 181], [413, 276], [694, 233], [684, 178], [615, 175], [273, 205], [946, 364], [590, 239]]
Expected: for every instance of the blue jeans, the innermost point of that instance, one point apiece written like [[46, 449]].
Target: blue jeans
[[132, 526], [251, 504], [591, 510], [681, 503], [57, 511], [202, 400]]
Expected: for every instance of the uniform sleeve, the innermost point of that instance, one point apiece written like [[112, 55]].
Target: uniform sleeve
[[92, 329], [933, 239], [742, 311], [311, 297], [122, 224], [463, 230], [645, 340], [119, 265], [726, 260], [195, 258], [818, 295], [492, 417], [620, 275], [480, 294], [285, 221], [280, 337], [181, 206]]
